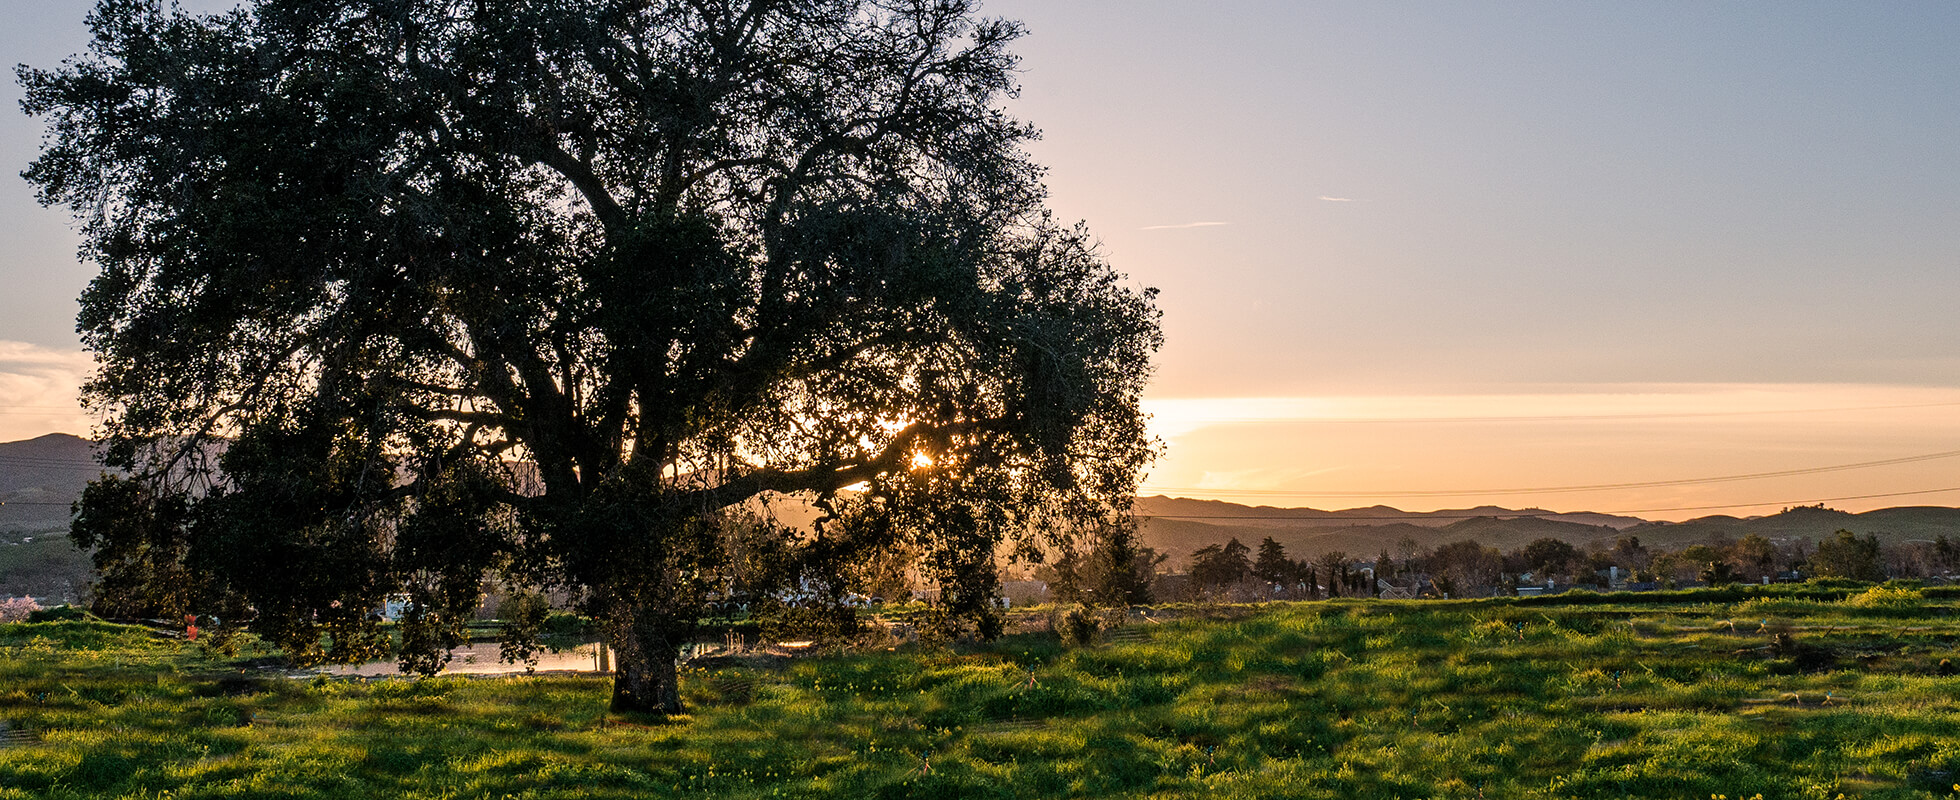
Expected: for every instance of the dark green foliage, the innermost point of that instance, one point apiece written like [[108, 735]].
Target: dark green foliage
[[138, 543], [1847, 556], [60, 614], [1106, 569], [1946, 554], [1642, 696], [1464, 567], [400, 295], [1551, 557], [1718, 573], [1219, 566], [1272, 565]]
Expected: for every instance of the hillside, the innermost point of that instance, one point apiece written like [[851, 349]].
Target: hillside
[[40, 477], [1890, 525], [1269, 516], [1179, 526]]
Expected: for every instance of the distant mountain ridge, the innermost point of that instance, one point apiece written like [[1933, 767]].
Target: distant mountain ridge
[[1179, 526], [40, 477], [1161, 506]]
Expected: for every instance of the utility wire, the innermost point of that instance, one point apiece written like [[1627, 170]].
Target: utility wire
[[1335, 516], [1595, 487], [1544, 417]]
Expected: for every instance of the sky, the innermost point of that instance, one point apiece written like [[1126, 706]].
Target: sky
[[1436, 255]]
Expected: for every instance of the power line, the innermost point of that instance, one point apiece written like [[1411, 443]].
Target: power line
[[78, 466], [1542, 417], [1790, 503], [1332, 516], [1558, 489]]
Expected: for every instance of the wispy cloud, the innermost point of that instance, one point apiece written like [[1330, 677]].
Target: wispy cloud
[[38, 389], [1184, 225], [1332, 199]]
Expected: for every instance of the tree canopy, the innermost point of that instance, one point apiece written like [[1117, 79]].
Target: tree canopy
[[1844, 555], [397, 294], [1220, 566]]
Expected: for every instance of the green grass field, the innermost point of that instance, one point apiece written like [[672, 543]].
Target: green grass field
[[1682, 695]]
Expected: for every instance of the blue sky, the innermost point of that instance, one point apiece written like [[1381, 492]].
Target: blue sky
[[1741, 221], [1557, 192]]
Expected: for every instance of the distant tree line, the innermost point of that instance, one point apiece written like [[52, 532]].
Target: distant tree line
[[1231, 571]]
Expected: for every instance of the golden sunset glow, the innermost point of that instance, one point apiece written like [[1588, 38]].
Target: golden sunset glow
[[1590, 449]]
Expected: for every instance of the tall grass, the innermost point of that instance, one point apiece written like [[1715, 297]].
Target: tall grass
[[1694, 697]]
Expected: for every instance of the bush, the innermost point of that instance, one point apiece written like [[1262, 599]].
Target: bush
[[1891, 598], [61, 614], [784, 622]]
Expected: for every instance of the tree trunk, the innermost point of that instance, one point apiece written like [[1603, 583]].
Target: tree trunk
[[645, 679]]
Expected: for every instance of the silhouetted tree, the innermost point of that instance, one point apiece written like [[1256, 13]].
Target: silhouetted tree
[[1112, 570], [1629, 554], [1717, 572], [1946, 555], [1384, 570], [1333, 566], [1550, 558], [1466, 567], [400, 293], [1844, 555], [1219, 566], [1692, 562], [1754, 557], [1273, 566]]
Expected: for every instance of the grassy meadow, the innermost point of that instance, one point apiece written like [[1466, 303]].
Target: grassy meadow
[[1782, 692]]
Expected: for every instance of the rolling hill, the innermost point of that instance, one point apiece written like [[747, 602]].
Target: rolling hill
[[40, 477], [1179, 526]]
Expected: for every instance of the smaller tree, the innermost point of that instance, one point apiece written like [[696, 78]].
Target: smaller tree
[[1111, 571], [1550, 558], [1406, 548], [1717, 572], [1220, 566], [1946, 555], [1467, 567], [1272, 565], [1629, 554], [1847, 556], [1334, 566], [1754, 557], [1384, 570], [1693, 563]]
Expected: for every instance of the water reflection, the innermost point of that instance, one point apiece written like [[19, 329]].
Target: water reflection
[[483, 658]]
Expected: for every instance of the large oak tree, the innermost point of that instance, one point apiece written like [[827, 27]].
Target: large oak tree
[[398, 294]]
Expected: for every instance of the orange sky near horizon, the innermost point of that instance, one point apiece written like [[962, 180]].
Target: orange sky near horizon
[[1656, 451]]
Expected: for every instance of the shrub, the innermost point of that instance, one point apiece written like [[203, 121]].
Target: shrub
[[1076, 625], [1893, 598], [60, 614]]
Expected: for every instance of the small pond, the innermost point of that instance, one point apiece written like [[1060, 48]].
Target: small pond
[[482, 658]]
